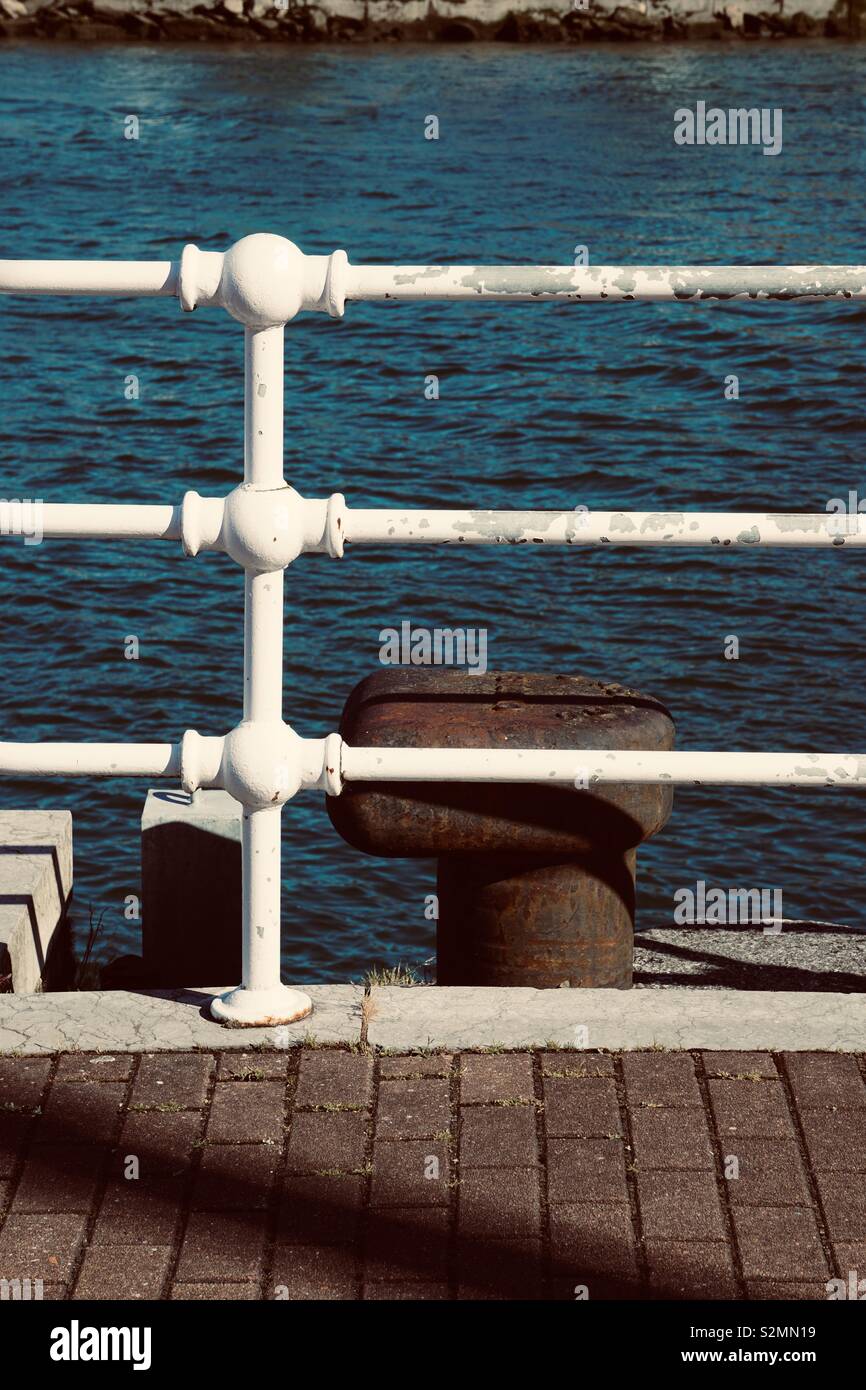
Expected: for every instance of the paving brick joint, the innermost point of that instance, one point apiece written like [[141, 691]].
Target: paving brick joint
[[333, 1173]]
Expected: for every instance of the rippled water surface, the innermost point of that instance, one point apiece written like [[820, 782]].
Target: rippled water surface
[[611, 406]]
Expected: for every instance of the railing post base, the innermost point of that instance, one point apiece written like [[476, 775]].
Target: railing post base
[[261, 1008]]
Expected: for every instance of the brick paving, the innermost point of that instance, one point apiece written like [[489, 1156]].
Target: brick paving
[[330, 1174]]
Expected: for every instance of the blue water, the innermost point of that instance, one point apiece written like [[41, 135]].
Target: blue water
[[611, 406]]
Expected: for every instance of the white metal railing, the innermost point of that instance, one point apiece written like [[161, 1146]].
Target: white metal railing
[[264, 281]]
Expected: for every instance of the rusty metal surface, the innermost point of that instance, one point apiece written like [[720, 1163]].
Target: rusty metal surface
[[455, 709], [524, 920]]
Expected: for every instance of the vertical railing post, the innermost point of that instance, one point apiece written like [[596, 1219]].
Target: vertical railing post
[[262, 999]]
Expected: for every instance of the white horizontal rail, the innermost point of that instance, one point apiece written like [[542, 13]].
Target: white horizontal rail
[[326, 764], [90, 759], [374, 526], [588, 765], [307, 525], [89, 277], [108, 521], [593, 284], [265, 280]]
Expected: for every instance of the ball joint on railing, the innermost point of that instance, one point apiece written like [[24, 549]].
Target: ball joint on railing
[[200, 761], [260, 763], [266, 764], [263, 530], [263, 280]]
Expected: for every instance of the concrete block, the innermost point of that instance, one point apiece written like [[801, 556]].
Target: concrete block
[[35, 888], [142, 1020], [616, 1020], [191, 887]]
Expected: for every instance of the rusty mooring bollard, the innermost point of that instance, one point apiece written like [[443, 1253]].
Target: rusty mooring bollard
[[535, 883]]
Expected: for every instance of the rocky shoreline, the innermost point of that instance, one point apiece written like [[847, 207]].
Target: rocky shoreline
[[558, 21]]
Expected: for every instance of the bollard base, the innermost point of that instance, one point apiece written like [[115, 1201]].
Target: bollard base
[[510, 919], [261, 1008]]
